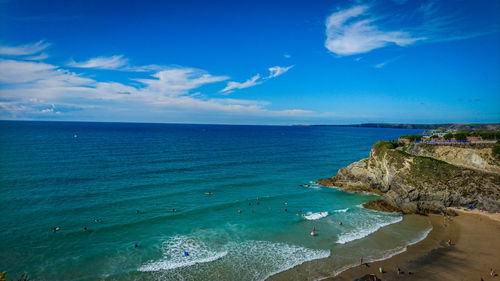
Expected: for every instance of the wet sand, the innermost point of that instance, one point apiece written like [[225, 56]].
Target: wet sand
[[475, 238]]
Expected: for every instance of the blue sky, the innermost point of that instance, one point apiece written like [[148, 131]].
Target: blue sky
[[250, 62]]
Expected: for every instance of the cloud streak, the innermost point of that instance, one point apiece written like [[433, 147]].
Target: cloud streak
[[24, 50], [274, 71], [353, 31], [35, 89]]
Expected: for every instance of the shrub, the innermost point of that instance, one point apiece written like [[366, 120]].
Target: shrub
[[448, 136], [461, 136], [412, 137]]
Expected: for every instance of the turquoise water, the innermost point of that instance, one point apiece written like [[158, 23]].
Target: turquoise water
[[122, 180]]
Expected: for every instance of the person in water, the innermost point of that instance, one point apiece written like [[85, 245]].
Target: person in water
[[239, 211], [138, 212], [186, 254], [136, 245], [56, 229], [84, 228], [340, 223], [313, 232]]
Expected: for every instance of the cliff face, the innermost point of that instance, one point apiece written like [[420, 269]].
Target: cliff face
[[479, 158], [418, 184]]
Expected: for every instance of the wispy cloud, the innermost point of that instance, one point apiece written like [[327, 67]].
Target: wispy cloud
[[363, 28], [24, 50], [354, 31], [386, 62], [112, 62], [274, 71], [237, 85], [35, 89]]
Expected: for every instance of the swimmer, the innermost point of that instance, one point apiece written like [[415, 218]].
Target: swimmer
[[286, 210], [297, 214], [186, 254], [97, 220], [84, 228], [313, 232], [340, 223], [249, 204], [285, 203], [56, 229], [173, 210], [239, 211], [138, 212]]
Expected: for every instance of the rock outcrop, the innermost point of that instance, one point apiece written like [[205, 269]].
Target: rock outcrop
[[418, 184]]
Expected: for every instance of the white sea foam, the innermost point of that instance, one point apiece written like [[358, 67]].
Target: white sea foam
[[247, 260], [315, 216], [342, 210], [365, 231], [173, 254], [273, 258], [386, 254]]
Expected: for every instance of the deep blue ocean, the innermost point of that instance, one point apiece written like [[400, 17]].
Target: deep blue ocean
[[231, 197]]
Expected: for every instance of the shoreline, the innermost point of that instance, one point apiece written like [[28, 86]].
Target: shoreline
[[475, 237]]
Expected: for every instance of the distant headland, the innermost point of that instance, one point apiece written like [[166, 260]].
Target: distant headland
[[449, 126]]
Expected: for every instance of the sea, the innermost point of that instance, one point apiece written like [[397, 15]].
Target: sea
[[135, 201]]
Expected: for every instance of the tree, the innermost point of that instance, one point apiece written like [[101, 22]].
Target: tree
[[448, 136]]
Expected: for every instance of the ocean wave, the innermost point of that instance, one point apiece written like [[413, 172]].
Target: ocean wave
[[341, 211], [365, 231], [173, 254], [273, 258], [246, 260], [386, 254], [315, 216]]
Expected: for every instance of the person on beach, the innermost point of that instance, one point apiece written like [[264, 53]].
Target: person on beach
[[448, 243], [492, 272], [380, 270], [361, 260], [399, 271]]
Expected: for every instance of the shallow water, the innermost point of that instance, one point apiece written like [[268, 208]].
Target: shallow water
[[99, 175]]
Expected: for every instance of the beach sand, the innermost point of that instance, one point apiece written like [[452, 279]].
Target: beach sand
[[475, 238]]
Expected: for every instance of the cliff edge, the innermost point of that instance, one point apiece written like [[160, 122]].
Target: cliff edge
[[411, 183]]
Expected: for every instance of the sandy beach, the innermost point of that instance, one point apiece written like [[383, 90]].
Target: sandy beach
[[475, 249]]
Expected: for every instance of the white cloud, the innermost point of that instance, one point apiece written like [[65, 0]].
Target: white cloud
[[179, 81], [276, 71], [24, 50], [353, 31], [38, 57], [113, 62], [35, 89], [287, 56], [236, 85]]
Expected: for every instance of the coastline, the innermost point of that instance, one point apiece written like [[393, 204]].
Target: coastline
[[475, 244]]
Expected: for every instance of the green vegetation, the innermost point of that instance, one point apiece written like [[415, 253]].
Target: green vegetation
[[496, 149], [434, 137], [412, 137], [461, 136], [448, 136], [487, 135]]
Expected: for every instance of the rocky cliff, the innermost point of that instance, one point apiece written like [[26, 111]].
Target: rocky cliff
[[412, 183]]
